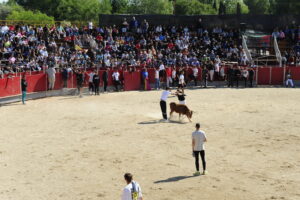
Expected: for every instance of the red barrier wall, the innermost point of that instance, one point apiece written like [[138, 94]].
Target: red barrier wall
[[277, 76], [10, 86], [132, 81], [295, 72], [36, 83], [263, 76]]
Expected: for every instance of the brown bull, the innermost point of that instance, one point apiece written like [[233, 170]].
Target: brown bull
[[181, 109]]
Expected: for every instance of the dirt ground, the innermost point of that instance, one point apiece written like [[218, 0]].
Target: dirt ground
[[70, 148]]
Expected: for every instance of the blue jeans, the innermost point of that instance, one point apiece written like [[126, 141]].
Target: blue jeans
[[157, 83], [23, 96]]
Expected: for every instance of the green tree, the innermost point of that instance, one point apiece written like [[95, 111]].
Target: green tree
[[287, 7], [33, 17], [238, 9], [119, 6], [150, 7], [258, 6], [231, 6], [193, 7], [105, 7]]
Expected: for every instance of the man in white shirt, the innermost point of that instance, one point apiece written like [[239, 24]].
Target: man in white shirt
[[51, 77], [91, 84], [157, 82], [116, 78], [198, 140], [163, 103], [195, 74], [133, 190]]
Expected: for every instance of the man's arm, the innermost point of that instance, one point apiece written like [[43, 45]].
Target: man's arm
[[126, 195]]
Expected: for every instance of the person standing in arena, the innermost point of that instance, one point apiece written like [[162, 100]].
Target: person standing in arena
[[181, 96], [205, 76], [105, 80], [51, 77], [163, 102], [289, 79], [79, 81], [91, 84], [251, 77], [195, 75], [24, 88], [132, 191], [198, 140], [96, 83], [116, 78]]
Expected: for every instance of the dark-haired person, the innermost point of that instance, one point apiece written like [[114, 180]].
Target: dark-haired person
[[198, 140], [251, 76], [24, 88], [132, 191], [105, 80], [91, 84], [79, 81], [96, 83], [116, 78], [181, 96]]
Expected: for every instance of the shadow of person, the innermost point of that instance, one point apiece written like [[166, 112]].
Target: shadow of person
[[174, 179]]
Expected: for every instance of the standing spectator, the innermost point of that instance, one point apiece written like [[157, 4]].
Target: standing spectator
[[245, 74], [251, 76], [65, 76], [105, 80], [116, 79], [133, 190], [157, 82], [181, 80], [96, 83], [205, 76], [161, 72], [169, 76], [195, 74], [1, 73], [91, 83], [145, 79], [211, 70], [174, 76], [51, 77], [237, 75], [198, 140], [79, 81], [289, 79], [230, 76], [24, 88], [222, 73]]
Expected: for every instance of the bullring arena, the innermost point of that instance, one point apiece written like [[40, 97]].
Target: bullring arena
[[79, 148]]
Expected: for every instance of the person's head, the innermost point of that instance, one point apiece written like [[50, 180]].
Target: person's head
[[167, 88], [128, 177], [197, 126]]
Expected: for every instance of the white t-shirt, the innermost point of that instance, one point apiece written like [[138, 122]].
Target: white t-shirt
[[199, 137], [115, 76], [161, 67], [164, 95], [174, 74], [157, 74], [127, 191], [181, 79], [195, 72], [91, 76]]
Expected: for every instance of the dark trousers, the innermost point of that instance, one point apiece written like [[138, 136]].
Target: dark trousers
[[65, 83], [117, 83], [96, 89], [205, 82], [105, 85], [91, 87], [245, 80], [237, 81], [195, 80], [202, 154], [163, 107], [251, 82]]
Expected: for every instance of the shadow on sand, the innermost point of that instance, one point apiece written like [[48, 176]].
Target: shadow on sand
[[174, 179]]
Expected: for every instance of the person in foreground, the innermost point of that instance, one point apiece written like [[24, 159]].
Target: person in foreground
[[198, 140], [132, 191]]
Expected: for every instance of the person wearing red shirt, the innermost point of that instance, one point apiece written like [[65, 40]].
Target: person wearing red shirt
[[169, 76]]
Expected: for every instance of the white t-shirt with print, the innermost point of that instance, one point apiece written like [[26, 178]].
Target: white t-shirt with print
[[127, 191], [115, 76], [165, 94], [199, 137], [91, 76]]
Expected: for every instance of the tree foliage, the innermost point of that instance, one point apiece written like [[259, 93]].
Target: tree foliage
[[193, 7], [27, 15], [150, 7], [258, 6]]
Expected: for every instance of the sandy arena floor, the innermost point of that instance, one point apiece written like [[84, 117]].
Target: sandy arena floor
[[68, 148]]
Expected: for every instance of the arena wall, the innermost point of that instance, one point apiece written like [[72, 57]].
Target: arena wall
[[37, 82]]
